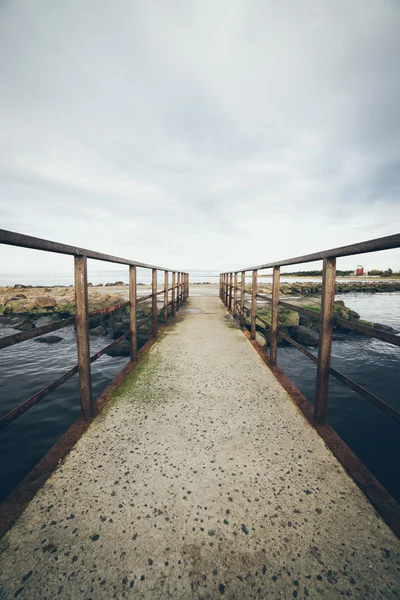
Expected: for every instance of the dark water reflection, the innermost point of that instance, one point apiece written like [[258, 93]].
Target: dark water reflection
[[29, 366], [26, 368], [373, 436]]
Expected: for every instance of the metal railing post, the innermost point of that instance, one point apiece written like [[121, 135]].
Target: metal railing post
[[154, 303], [178, 292], [253, 305], [165, 297], [132, 312], [325, 340], [230, 291], [242, 287], [173, 294], [274, 315], [82, 335], [234, 293]]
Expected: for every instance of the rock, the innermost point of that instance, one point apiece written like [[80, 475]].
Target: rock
[[25, 325], [385, 328], [354, 314], [289, 318], [100, 330], [48, 339], [19, 286], [16, 297], [16, 305], [121, 349], [305, 322], [95, 322], [119, 328], [119, 283], [305, 336], [45, 302]]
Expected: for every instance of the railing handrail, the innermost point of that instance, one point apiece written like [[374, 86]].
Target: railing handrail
[[228, 293], [179, 294], [384, 243], [11, 238]]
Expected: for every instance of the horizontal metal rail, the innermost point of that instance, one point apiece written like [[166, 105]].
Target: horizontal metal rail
[[292, 342], [23, 336], [143, 298], [97, 355], [19, 410], [325, 315], [108, 309], [384, 243], [180, 284], [356, 387], [12, 238], [374, 332]]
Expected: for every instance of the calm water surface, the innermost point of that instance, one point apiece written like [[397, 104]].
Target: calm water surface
[[29, 366]]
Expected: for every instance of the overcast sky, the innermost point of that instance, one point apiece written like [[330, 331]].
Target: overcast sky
[[199, 134]]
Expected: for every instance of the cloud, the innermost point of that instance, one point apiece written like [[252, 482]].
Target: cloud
[[203, 135]]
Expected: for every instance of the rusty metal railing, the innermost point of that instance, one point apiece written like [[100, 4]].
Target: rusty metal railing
[[179, 294], [229, 295]]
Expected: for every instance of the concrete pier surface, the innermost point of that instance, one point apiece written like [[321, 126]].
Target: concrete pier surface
[[200, 479]]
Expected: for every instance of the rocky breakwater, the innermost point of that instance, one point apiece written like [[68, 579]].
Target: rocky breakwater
[[304, 328], [311, 288], [25, 308]]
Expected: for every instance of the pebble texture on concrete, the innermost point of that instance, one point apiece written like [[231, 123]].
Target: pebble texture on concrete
[[201, 479]]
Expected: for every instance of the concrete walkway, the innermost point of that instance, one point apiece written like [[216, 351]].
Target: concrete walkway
[[200, 480]]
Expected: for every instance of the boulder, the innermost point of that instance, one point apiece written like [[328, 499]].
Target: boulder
[[24, 325], [354, 314], [16, 297], [45, 302], [119, 328], [15, 305], [385, 328], [100, 330], [121, 349], [289, 318], [305, 336], [19, 286], [48, 339]]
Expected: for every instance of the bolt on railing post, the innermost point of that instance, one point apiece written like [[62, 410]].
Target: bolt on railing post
[[154, 303], [253, 305], [274, 315], [325, 341], [132, 312], [230, 291], [82, 335], [234, 293], [242, 287], [165, 297]]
